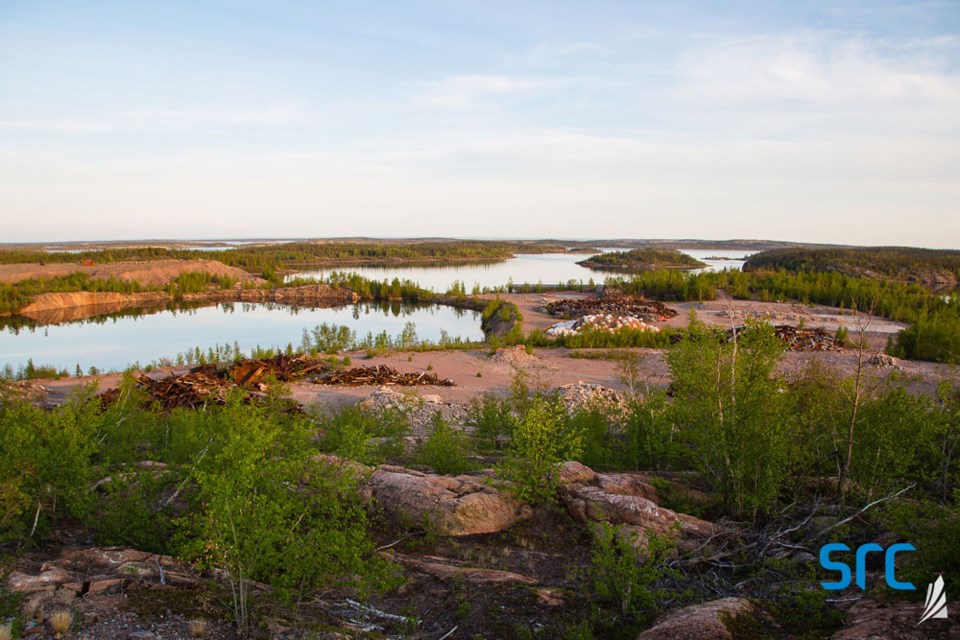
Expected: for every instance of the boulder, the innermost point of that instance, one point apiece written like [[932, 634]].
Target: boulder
[[627, 500], [573, 472], [448, 569], [699, 621], [456, 506], [48, 579], [871, 619]]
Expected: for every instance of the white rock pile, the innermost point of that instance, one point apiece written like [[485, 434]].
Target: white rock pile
[[606, 322]]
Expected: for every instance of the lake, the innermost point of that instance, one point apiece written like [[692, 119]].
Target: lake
[[532, 268], [117, 342]]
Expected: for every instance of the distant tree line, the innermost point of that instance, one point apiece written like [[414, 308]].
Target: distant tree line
[[901, 263]]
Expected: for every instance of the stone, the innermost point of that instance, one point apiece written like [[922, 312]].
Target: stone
[[456, 506], [47, 580], [699, 621]]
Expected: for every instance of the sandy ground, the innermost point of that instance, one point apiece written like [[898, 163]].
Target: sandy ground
[[719, 312], [548, 369]]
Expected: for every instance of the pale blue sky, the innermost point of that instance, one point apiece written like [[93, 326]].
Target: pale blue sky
[[828, 122]]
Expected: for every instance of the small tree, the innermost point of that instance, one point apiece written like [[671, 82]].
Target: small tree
[[540, 441], [625, 579], [732, 412]]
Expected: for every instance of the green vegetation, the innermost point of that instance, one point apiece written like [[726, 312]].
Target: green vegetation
[[623, 580], [727, 397], [934, 268], [539, 442], [648, 259], [254, 497], [446, 450], [936, 338], [18, 295], [258, 258]]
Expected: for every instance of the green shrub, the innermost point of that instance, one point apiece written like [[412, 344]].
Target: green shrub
[[267, 509], [350, 434], [541, 440], [45, 463], [624, 578], [733, 415], [446, 450], [936, 339], [492, 421]]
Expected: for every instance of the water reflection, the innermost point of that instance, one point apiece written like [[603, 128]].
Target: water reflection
[[525, 268], [120, 340]]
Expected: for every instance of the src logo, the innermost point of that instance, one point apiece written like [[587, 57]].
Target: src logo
[[936, 602], [844, 568]]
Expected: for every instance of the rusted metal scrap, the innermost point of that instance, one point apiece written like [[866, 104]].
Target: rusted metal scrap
[[282, 367], [192, 389], [802, 339], [210, 384], [382, 374], [645, 310]]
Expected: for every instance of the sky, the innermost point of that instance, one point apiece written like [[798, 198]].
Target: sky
[[834, 121]]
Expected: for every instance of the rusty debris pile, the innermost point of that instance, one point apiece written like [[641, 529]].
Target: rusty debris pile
[[282, 367], [192, 389], [802, 339], [210, 384], [381, 374], [612, 305]]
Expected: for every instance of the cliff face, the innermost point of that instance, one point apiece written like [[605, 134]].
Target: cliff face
[[108, 300]]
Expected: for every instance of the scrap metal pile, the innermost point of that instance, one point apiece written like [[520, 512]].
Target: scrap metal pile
[[282, 367], [193, 389], [209, 384], [798, 339], [612, 305], [381, 374]]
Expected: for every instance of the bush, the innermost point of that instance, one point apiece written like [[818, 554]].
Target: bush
[[732, 414], [540, 442], [267, 509], [936, 339], [492, 421], [329, 339], [45, 464], [350, 434], [446, 450], [622, 580], [934, 529]]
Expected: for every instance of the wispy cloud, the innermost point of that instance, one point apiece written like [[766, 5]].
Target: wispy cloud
[[468, 90], [825, 75]]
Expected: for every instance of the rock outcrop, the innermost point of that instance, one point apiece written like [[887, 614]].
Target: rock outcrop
[[870, 619], [101, 569], [626, 500], [455, 506], [699, 621]]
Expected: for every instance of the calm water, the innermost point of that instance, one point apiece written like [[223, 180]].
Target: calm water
[[119, 342], [730, 259], [546, 268]]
